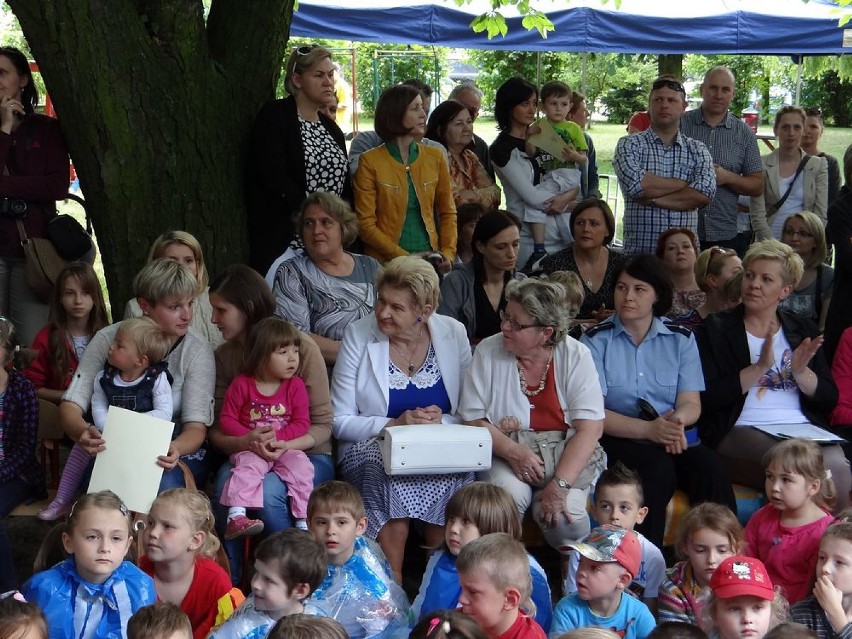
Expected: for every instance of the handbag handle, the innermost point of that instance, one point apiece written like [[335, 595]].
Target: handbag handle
[[22, 233]]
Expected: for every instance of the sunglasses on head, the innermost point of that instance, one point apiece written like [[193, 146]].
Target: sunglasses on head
[[714, 251], [674, 85], [306, 49]]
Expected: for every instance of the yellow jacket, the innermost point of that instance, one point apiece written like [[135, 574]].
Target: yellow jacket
[[381, 200]]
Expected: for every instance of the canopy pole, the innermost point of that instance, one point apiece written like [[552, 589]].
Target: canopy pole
[[799, 80], [584, 68]]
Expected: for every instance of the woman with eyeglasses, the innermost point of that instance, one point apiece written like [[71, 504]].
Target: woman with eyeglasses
[[793, 180], [764, 367], [814, 128], [33, 175], [678, 250], [295, 149], [805, 234], [403, 191], [650, 375], [536, 391]]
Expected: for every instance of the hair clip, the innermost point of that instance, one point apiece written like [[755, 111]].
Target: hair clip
[[13, 594], [828, 473], [123, 509], [445, 626]]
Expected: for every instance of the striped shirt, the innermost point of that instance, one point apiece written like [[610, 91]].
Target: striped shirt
[[685, 159], [809, 613], [733, 146]]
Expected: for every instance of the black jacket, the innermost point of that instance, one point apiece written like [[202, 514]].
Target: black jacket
[[723, 346], [275, 178], [839, 233]]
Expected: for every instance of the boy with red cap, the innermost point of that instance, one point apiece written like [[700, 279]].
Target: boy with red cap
[[744, 604], [609, 559]]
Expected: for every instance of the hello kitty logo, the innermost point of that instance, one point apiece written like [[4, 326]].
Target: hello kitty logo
[[742, 570]]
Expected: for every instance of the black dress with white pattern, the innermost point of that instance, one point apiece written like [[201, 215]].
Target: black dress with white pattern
[[325, 161]]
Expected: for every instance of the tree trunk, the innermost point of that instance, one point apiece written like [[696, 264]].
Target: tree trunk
[[670, 64], [156, 107]]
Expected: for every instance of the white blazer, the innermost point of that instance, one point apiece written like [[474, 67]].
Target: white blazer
[[360, 390]]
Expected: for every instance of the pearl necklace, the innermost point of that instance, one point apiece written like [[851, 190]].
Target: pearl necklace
[[523, 379]]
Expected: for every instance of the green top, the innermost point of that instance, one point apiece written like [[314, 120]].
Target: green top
[[414, 237]]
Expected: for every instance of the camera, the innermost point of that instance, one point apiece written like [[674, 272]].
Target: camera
[[15, 209]]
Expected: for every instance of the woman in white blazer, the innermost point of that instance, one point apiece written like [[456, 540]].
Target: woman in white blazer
[[404, 364], [809, 190]]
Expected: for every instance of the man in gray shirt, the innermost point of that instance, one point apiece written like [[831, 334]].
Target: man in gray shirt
[[736, 158]]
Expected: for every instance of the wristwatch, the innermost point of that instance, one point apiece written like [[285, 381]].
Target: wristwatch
[[561, 482]]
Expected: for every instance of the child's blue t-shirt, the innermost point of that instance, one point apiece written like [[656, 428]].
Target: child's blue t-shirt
[[363, 596], [440, 589], [77, 609], [632, 619]]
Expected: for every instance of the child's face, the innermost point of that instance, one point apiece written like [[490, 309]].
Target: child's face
[[271, 593], [172, 314], [75, 301], [283, 362], [337, 530], [459, 532], [168, 535], [556, 108], [788, 491], [745, 617], [99, 541], [123, 353], [597, 579], [491, 608], [835, 562], [619, 505], [706, 549]]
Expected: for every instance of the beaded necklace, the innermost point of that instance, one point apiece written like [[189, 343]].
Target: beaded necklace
[[523, 379]]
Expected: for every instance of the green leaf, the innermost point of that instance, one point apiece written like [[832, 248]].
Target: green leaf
[[492, 23]]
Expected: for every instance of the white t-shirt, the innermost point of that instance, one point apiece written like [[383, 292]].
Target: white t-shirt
[[775, 397]]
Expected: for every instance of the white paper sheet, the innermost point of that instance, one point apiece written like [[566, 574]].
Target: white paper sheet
[[804, 431], [128, 467]]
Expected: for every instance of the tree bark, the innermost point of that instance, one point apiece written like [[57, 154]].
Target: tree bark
[[670, 64], [156, 108]]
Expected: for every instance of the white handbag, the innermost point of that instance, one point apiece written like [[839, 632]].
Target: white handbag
[[427, 449]]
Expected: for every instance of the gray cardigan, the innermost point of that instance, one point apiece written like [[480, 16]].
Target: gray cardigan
[[457, 296]]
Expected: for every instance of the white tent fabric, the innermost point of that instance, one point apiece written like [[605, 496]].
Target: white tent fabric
[[637, 26]]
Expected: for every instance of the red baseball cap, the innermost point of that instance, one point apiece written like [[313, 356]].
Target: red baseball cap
[[612, 544], [737, 576]]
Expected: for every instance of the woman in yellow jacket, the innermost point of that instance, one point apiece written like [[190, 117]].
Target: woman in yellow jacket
[[403, 192]]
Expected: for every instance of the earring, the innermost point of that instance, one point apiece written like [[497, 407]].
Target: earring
[[419, 318]]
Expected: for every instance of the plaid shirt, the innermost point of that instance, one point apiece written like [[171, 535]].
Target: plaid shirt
[[685, 159], [733, 147], [20, 432]]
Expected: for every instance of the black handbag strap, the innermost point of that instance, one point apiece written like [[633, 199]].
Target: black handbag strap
[[774, 208]]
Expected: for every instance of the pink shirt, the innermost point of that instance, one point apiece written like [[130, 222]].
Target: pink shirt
[[245, 408], [789, 554]]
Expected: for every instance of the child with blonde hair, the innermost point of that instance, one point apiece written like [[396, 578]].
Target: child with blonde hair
[[95, 591], [180, 546], [475, 510], [496, 586], [708, 534], [134, 377], [159, 621], [785, 534], [743, 602], [828, 611], [590, 633]]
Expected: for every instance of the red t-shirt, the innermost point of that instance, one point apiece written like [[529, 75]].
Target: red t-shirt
[[209, 583], [524, 628]]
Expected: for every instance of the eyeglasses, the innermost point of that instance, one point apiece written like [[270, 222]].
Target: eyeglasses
[[674, 85], [513, 326], [805, 235], [714, 251]]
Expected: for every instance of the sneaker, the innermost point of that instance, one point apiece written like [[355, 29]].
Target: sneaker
[[533, 264], [55, 510], [302, 524], [242, 526]]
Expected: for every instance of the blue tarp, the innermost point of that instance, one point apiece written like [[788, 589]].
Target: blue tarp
[[637, 26]]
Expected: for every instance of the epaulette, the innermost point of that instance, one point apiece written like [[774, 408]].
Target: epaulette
[[674, 327], [597, 328]]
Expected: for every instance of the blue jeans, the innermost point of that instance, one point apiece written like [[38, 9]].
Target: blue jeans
[[275, 513], [12, 493]]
